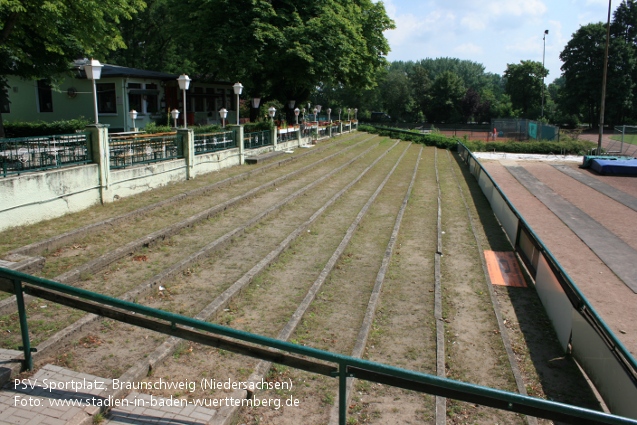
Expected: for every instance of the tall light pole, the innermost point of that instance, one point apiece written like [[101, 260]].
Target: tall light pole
[[238, 88], [94, 72], [184, 83], [546, 32], [601, 109]]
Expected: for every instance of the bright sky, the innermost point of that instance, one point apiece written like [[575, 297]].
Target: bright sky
[[491, 32]]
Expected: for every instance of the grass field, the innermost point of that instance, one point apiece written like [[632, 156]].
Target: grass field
[[628, 138]]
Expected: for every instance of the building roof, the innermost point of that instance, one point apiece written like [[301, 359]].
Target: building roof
[[122, 71]]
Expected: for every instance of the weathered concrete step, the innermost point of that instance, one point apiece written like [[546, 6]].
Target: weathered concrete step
[[263, 157], [22, 263], [10, 365], [147, 409]]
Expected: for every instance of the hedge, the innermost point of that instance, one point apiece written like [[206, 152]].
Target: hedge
[[572, 147], [41, 128]]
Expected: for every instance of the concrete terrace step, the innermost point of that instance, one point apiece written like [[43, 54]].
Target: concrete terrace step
[[10, 365], [58, 396], [146, 409], [262, 158]]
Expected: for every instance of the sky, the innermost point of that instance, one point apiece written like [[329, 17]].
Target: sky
[[493, 33]]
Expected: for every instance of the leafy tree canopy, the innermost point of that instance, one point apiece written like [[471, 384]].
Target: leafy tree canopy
[[583, 59], [276, 48], [40, 38], [524, 83]]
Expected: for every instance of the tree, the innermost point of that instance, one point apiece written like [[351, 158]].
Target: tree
[[470, 104], [421, 88], [447, 91], [39, 39], [624, 27], [396, 95], [282, 48], [150, 40], [583, 59], [524, 83], [471, 73]]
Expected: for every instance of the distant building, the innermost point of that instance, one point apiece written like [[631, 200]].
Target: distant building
[[120, 89]]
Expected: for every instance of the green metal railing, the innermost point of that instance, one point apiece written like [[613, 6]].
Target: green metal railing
[[329, 364], [128, 151], [19, 155], [257, 139], [287, 134], [617, 378], [212, 142]]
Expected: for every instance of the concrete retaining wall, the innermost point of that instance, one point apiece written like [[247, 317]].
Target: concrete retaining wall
[[33, 197]]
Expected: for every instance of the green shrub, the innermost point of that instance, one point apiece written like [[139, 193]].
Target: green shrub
[[153, 128], [572, 147], [211, 128], [429, 139], [253, 127], [41, 128]]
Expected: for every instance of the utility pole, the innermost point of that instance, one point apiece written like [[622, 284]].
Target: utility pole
[[601, 109], [543, 57]]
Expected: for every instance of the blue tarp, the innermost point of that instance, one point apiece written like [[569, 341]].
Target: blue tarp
[[615, 167], [589, 158]]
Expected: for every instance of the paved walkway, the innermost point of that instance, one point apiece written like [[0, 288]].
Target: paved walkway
[[58, 396], [145, 409], [617, 254]]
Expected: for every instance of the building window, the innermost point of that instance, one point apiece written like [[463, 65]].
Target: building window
[[152, 100], [210, 100], [199, 99], [45, 96], [135, 97], [144, 98], [106, 99]]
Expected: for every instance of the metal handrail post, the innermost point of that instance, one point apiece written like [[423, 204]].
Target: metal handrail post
[[342, 393], [24, 329]]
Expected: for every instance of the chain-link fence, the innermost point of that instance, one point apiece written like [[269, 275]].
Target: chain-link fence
[[623, 141], [521, 129]]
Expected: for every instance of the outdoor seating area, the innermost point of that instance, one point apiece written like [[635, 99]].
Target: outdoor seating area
[[142, 148], [42, 152]]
